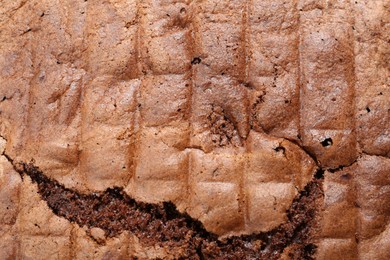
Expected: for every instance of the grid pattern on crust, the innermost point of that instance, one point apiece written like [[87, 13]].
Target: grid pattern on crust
[[194, 172], [306, 6]]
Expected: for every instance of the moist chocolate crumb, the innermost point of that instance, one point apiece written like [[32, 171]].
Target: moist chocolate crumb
[[114, 211]]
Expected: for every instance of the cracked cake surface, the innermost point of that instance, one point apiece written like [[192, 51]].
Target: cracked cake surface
[[195, 129]]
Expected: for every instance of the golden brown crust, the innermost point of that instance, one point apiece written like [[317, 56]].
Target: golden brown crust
[[225, 108]]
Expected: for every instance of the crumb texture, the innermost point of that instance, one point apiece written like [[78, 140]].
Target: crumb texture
[[110, 213], [230, 110]]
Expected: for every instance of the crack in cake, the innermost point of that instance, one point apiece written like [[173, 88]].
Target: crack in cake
[[113, 212], [195, 129]]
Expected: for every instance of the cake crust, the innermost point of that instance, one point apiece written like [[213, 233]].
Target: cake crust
[[263, 126]]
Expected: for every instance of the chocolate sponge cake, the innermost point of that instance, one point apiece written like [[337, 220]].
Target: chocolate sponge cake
[[202, 129]]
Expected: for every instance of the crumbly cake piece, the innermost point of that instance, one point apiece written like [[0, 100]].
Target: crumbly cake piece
[[250, 128]]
